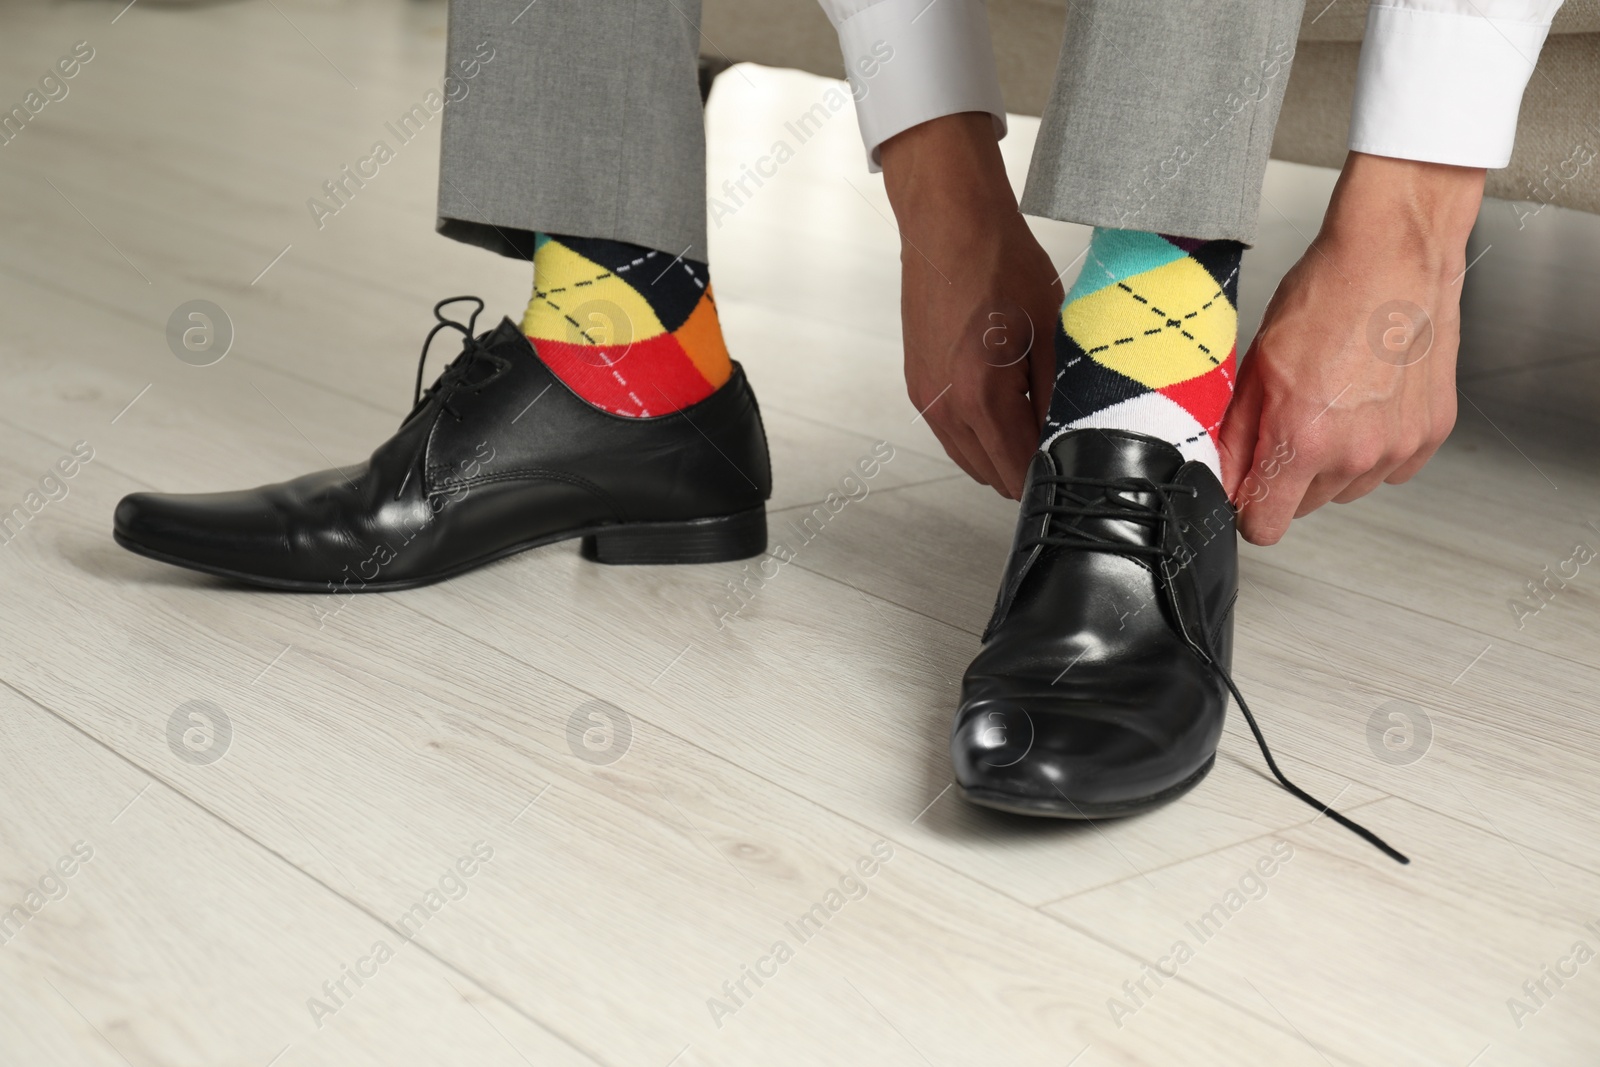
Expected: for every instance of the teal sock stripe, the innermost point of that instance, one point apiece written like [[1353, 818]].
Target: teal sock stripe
[[1115, 255]]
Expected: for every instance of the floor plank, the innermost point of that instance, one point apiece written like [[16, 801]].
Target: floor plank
[[374, 740], [1459, 931], [369, 769], [177, 939]]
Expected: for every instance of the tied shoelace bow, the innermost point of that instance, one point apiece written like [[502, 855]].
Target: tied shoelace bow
[[1158, 514], [455, 373]]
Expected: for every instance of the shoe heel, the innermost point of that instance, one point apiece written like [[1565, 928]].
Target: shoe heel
[[716, 540]]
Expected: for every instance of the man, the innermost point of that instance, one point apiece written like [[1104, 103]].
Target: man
[[1103, 679], [1102, 683]]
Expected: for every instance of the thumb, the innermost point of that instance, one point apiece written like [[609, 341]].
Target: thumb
[[1042, 372], [1241, 428], [1042, 363]]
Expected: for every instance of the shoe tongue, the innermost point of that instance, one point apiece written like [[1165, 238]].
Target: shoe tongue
[[1092, 453], [505, 341], [508, 335], [1109, 455]]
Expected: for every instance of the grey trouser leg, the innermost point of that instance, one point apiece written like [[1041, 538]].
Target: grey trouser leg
[[1162, 115], [586, 121]]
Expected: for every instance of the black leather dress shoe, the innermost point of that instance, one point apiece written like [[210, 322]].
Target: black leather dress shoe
[[1100, 688], [496, 457], [1105, 671]]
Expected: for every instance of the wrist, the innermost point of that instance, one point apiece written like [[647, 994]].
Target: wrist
[[1421, 212], [946, 170]]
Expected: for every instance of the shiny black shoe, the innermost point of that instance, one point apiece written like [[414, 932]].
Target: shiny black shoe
[[497, 456], [1097, 691], [1103, 681]]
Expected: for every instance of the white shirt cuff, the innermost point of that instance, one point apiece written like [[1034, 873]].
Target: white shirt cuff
[[1445, 86], [909, 61]]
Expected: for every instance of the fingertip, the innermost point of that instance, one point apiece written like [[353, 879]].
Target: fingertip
[[1261, 537]]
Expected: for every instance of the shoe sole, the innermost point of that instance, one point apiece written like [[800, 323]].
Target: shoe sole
[[1065, 809], [721, 539]]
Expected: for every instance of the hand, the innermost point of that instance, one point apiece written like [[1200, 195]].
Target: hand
[[1350, 382], [978, 298]]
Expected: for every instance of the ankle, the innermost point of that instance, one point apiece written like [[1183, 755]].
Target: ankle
[[632, 330]]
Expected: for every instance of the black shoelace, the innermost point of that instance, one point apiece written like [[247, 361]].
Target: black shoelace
[[455, 374], [1159, 514]]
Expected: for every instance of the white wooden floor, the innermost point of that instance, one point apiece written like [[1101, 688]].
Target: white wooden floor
[[373, 755]]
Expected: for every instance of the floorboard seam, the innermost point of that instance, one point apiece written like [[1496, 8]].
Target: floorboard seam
[[331, 890]]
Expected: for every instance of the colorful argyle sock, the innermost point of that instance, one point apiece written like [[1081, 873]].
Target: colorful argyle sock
[[1146, 339], [630, 329]]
